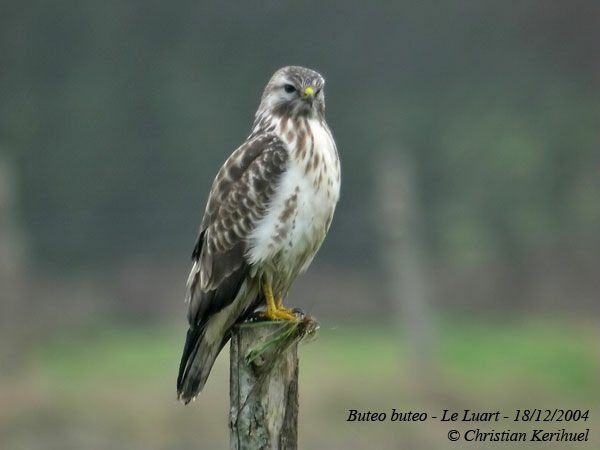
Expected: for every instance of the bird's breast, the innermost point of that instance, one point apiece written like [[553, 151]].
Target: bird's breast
[[300, 214]]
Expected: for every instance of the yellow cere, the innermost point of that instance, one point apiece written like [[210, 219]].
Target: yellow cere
[[308, 90]]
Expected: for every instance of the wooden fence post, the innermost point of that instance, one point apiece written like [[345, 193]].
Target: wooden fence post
[[264, 384]]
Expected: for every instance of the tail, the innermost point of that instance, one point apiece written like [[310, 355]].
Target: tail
[[199, 354], [211, 314]]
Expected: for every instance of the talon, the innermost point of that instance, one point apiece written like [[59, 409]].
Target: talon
[[277, 314], [280, 307], [275, 309]]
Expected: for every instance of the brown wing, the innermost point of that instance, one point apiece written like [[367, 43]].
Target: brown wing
[[239, 197]]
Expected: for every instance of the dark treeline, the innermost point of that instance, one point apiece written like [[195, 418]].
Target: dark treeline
[[118, 114]]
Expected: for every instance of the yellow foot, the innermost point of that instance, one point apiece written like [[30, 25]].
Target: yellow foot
[[277, 314], [280, 307], [275, 309]]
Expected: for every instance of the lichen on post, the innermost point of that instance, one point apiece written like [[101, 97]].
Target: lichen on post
[[264, 383]]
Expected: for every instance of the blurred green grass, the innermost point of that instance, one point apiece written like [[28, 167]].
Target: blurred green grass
[[562, 356], [113, 385]]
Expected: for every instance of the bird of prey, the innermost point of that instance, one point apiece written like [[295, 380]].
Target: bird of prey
[[267, 214]]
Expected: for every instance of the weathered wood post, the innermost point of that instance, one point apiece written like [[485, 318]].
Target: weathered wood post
[[264, 383]]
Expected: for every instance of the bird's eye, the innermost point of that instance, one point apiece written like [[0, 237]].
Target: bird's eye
[[289, 88]]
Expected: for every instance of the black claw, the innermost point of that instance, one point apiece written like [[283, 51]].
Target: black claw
[[298, 311], [256, 316]]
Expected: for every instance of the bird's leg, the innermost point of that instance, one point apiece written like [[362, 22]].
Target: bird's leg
[[273, 312], [279, 305], [270, 312]]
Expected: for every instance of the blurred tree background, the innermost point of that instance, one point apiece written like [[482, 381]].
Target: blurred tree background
[[115, 116]]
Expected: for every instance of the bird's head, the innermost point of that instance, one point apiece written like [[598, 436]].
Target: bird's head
[[294, 91]]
